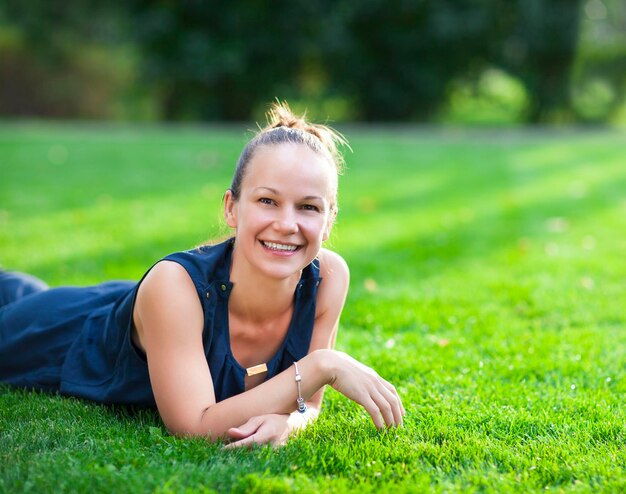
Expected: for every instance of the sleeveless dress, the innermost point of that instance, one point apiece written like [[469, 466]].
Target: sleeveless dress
[[77, 340]]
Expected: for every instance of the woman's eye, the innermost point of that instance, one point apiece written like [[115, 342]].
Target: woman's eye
[[310, 207], [266, 200]]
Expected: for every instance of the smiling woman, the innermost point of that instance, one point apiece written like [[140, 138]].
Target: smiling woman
[[285, 209], [232, 341]]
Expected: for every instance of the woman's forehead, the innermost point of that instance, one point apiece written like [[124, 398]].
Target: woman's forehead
[[290, 166]]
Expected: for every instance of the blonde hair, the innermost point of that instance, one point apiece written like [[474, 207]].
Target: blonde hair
[[284, 127]]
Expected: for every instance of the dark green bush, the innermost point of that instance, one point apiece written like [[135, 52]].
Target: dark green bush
[[391, 60]]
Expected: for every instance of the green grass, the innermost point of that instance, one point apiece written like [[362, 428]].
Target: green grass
[[487, 283]]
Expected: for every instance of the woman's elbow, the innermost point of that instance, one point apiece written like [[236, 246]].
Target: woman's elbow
[[186, 427]]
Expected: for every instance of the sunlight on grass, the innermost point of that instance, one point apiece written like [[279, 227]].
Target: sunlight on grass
[[96, 232]]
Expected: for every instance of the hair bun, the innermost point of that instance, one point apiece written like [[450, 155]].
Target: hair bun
[[280, 115]]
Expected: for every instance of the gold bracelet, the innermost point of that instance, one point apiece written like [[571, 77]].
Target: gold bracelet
[[300, 400]]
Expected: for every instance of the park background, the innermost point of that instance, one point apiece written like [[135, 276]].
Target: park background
[[482, 215], [463, 62]]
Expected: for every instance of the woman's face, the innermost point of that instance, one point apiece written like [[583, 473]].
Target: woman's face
[[285, 208]]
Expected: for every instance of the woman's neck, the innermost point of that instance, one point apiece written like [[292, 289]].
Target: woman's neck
[[256, 297]]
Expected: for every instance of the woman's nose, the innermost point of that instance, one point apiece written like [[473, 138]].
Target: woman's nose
[[286, 222]]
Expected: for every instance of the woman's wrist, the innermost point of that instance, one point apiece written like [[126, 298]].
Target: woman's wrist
[[323, 364]]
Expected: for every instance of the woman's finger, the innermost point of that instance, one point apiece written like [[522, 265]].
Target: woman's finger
[[392, 388], [372, 408], [386, 409], [394, 401], [246, 442], [247, 429]]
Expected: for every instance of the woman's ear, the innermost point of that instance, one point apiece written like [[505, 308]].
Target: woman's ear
[[230, 210], [330, 221]]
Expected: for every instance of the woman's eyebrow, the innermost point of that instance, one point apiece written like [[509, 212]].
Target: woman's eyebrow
[[275, 192]]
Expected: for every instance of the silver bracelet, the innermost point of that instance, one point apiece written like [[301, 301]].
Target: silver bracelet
[[300, 400]]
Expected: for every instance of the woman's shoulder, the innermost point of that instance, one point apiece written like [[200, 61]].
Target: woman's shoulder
[[165, 279], [207, 262], [333, 266], [335, 276], [187, 271]]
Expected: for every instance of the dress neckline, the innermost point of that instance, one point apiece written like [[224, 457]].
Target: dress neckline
[[291, 328]]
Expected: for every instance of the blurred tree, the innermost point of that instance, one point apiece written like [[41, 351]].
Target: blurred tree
[[537, 42], [396, 57], [217, 60], [599, 83], [58, 58], [377, 59]]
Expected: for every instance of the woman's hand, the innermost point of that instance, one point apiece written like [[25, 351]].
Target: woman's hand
[[364, 386], [271, 429]]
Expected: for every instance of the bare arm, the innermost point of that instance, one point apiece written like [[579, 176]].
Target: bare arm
[[169, 321]]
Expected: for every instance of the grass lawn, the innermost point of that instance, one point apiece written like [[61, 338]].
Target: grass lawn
[[488, 284]]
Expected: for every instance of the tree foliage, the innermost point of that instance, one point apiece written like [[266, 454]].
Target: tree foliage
[[394, 59], [390, 60]]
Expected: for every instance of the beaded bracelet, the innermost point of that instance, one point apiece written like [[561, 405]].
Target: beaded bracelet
[[300, 400]]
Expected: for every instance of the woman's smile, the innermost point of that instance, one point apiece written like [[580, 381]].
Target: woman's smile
[[279, 247]]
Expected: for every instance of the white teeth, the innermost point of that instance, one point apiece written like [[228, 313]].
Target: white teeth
[[275, 246]]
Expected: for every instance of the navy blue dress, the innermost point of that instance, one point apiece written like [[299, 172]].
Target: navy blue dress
[[77, 340]]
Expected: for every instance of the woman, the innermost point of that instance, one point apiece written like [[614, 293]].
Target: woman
[[232, 341]]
